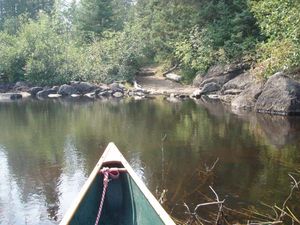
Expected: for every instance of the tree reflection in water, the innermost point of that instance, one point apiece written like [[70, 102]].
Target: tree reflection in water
[[50, 147]]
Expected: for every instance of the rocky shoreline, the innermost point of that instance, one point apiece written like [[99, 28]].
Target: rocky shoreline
[[76, 89], [234, 85]]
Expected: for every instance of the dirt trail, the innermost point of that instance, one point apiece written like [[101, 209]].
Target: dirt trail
[[160, 85]]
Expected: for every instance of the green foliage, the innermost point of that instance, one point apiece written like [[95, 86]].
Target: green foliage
[[11, 58], [164, 23], [93, 17], [10, 9], [46, 52], [115, 57], [277, 55], [107, 40], [196, 51], [225, 31], [280, 22], [38, 53]]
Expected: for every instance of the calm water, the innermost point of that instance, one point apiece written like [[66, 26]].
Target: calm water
[[48, 149]]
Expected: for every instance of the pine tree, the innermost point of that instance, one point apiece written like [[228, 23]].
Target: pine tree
[[10, 9], [93, 17]]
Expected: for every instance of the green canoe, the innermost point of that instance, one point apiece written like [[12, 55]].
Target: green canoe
[[127, 200]]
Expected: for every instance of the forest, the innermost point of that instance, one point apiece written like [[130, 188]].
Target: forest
[[50, 42]]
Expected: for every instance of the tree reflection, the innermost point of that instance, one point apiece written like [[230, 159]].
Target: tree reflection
[[52, 146]]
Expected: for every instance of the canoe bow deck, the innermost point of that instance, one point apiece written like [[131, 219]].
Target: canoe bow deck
[[127, 202]]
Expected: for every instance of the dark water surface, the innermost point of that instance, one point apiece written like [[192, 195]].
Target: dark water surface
[[48, 149]]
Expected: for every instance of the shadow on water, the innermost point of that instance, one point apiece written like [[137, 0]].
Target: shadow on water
[[48, 148]]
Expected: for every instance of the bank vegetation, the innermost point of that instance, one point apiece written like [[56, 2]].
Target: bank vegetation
[[55, 41]]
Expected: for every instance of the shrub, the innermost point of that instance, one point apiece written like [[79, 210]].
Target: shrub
[[12, 60]]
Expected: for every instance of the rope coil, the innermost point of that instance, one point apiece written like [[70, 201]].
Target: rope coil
[[112, 173]]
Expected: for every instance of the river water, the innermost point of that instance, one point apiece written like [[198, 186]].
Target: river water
[[48, 148]]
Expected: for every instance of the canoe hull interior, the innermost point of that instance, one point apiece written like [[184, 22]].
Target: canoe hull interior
[[124, 204]]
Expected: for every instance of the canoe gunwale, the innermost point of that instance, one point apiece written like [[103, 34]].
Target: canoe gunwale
[[110, 156]]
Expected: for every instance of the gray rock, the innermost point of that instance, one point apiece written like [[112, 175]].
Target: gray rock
[[198, 79], [139, 93], [227, 98], [21, 86], [196, 94], [5, 87], [56, 88], [118, 94], [34, 90], [10, 96], [117, 87], [210, 87], [240, 82], [138, 98], [232, 92], [214, 96], [90, 95], [97, 91], [66, 89], [233, 69], [222, 74], [54, 95], [173, 77], [280, 95], [246, 99], [44, 93], [105, 93], [83, 87]]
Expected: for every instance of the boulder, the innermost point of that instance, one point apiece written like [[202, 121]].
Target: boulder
[[10, 96], [83, 87], [222, 74], [117, 87], [209, 88], [139, 92], [246, 99], [54, 95], [56, 88], [44, 93], [213, 96], [75, 95], [5, 87], [21, 86], [280, 95], [198, 79], [233, 69], [240, 82], [232, 92], [66, 89], [227, 98], [173, 77], [34, 90], [118, 94], [138, 98], [90, 95], [101, 89], [105, 93], [196, 94]]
